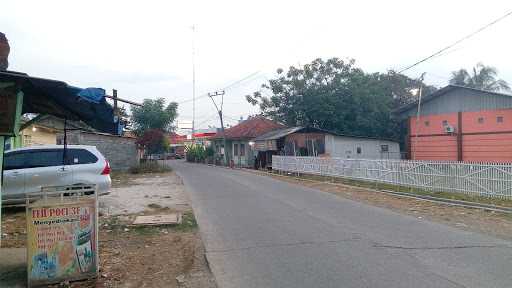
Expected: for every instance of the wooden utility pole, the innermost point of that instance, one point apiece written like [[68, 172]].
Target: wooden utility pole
[[219, 111], [418, 114], [114, 97]]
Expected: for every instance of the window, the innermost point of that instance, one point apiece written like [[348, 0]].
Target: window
[[445, 122], [27, 140], [235, 149], [499, 119], [480, 120], [14, 161], [44, 158], [359, 150], [80, 156], [384, 148], [242, 149], [427, 123]]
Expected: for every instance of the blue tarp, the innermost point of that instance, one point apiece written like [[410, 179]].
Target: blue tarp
[[46, 96], [94, 95]]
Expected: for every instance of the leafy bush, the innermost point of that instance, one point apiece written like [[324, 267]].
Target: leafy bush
[[197, 153]]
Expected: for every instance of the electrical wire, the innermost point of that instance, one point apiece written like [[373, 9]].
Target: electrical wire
[[438, 53], [229, 86]]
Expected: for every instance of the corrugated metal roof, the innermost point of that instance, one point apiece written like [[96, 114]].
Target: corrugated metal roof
[[443, 91], [276, 134], [250, 128]]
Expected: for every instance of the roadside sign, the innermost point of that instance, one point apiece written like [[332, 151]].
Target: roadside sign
[[62, 238]]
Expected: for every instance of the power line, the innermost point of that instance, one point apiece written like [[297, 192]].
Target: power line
[[229, 86], [457, 42]]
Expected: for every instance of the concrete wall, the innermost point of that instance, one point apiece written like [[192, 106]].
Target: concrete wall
[[487, 140], [347, 147], [121, 152]]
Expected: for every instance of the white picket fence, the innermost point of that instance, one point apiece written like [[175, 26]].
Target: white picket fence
[[493, 180]]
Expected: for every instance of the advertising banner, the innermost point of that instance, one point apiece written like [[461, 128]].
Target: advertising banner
[[61, 241]]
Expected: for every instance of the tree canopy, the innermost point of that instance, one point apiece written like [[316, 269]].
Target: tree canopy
[[154, 115], [154, 141], [338, 96], [481, 77]]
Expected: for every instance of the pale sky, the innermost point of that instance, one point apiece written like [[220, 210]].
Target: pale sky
[[144, 48]]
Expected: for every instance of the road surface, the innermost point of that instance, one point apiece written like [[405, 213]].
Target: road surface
[[262, 232]]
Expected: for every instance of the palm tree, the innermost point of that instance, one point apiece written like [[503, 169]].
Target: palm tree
[[482, 77]]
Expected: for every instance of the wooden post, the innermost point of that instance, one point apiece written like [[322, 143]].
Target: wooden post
[[17, 121], [2, 144], [114, 97]]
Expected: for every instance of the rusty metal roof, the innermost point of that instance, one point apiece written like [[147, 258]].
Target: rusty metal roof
[[250, 128]]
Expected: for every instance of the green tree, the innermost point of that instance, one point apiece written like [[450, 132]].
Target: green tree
[[481, 77], [154, 115], [337, 96]]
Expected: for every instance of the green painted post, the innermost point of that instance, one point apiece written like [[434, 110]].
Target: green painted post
[[2, 144], [17, 123]]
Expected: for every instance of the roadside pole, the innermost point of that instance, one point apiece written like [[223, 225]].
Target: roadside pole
[[10, 111], [2, 144], [219, 111]]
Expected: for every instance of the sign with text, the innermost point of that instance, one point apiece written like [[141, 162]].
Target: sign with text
[[61, 241]]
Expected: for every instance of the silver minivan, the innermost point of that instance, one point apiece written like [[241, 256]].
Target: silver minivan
[[28, 169]]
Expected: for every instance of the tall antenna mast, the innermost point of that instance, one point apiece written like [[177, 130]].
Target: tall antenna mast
[[193, 80]]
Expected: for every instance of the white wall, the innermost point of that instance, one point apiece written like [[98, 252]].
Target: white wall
[[346, 147]]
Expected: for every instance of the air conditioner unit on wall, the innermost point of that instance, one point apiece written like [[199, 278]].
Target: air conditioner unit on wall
[[449, 129]]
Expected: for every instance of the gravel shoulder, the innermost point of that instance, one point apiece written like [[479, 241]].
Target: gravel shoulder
[[137, 256], [469, 219]]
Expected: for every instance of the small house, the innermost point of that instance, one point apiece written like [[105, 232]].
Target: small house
[[239, 140], [309, 141]]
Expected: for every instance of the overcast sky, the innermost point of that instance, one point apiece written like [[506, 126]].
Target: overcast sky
[[144, 48]]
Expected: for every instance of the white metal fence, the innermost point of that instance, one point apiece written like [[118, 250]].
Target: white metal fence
[[494, 180]]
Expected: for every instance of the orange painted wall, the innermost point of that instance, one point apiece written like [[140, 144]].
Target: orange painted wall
[[434, 143]]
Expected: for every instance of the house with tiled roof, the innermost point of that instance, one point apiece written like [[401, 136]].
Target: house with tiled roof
[[239, 145]]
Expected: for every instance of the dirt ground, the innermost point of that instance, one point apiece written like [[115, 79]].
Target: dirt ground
[[137, 256], [477, 220]]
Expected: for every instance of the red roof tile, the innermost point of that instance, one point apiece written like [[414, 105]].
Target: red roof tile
[[250, 128]]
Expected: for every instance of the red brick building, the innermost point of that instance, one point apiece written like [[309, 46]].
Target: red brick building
[[460, 124]]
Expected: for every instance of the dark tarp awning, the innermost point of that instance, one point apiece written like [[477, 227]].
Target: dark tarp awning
[[45, 96]]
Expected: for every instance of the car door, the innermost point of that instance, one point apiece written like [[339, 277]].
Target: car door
[[46, 167], [85, 167], [14, 175]]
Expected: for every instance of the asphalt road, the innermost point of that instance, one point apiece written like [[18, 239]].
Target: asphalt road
[[262, 232]]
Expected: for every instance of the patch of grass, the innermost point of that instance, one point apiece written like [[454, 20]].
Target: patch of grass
[[188, 223], [412, 190], [150, 167], [145, 230]]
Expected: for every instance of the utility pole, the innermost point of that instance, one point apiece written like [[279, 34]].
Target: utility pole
[[418, 114], [114, 97], [219, 111], [193, 82]]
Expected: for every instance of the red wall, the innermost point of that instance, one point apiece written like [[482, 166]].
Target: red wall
[[489, 141]]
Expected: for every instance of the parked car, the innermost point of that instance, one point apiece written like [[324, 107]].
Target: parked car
[[28, 169]]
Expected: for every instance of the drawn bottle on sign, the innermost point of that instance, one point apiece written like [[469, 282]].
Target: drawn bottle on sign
[[84, 251]]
